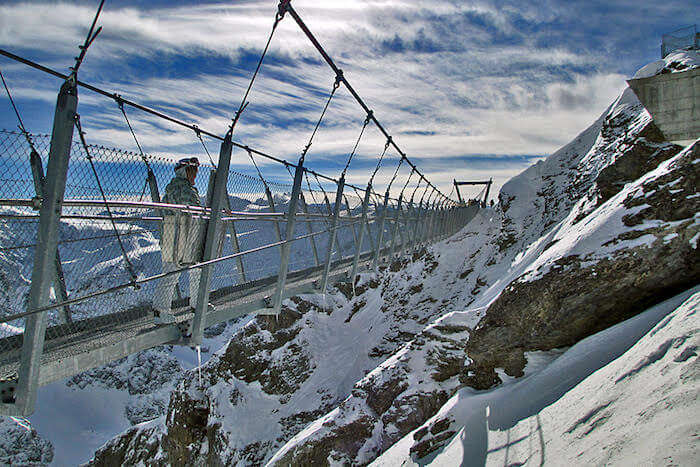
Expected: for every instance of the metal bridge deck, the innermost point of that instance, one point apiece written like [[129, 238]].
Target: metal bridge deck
[[69, 350]]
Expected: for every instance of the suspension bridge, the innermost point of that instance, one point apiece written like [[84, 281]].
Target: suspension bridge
[[80, 226]]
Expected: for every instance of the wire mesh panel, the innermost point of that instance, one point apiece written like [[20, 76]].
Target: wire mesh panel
[[18, 227]]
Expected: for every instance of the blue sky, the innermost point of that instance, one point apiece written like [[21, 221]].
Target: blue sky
[[468, 89]]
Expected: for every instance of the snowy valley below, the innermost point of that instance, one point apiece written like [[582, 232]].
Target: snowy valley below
[[559, 327]]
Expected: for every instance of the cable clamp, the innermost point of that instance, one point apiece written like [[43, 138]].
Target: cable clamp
[[281, 10], [370, 114], [338, 79], [119, 100]]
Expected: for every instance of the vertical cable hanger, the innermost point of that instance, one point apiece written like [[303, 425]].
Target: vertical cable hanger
[[198, 132], [88, 155], [379, 162], [357, 143], [336, 85], [20, 125], [281, 10]]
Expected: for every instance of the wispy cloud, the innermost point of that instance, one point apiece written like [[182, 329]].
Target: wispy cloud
[[451, 80]]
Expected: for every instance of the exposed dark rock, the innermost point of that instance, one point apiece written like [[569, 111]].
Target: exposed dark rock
[[641, 156], [570, 303], [342, 443], [422, 449]]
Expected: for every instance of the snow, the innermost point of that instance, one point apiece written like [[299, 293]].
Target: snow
[[552, 212], [79, 418], [602, 401], [685, 58]]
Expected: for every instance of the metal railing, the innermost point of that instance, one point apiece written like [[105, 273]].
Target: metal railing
[[81, 239], [683, 38]]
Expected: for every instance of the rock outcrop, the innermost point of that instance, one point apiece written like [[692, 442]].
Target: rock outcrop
[[601, 229]]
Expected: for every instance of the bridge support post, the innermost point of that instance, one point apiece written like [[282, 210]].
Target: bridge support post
[[420, 221], [236, 246], [431, 225], [271, 202], [406, 232], [330, 213], [433, 220], [153, 186], [211, 244], [363, 226], [59, 280], [43, 272], [380, 235], [309, 228], [397, 220], [352, 224], [333, 233], [286, 248], [368, 225], [230, 226]]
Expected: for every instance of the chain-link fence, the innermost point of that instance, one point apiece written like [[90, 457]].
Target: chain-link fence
[[90, 259]]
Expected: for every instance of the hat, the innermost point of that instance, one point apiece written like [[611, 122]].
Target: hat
[[187, 162]]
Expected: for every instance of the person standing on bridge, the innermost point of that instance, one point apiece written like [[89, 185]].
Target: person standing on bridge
[[180, 240]]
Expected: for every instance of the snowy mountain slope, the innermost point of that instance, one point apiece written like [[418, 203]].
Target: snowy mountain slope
[[76, 416], [294, 370], [627, 394], [555, 218]]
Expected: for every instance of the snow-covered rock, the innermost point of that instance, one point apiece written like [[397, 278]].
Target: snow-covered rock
[[20, 444], [595, 233], [624, 396]]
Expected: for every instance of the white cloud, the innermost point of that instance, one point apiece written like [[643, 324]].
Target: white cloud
[[468, 97]]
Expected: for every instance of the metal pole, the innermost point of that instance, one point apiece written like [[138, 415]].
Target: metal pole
[[271, 202], [363, 224], [330, 213], [285, 250], [212, 238], [396, 228], [369, 228], [43, 271], [236, 244], [410, 225], [334, 226], [309, 228], [59, 280], [419, 225], [380, 238], [354, 231], [433, 221], [153, 186]]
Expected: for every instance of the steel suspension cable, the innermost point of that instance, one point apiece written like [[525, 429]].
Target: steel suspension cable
[[21, 126], [120, 103], [357, 143], [379, 162], [407, 180], [262, 179], [281, 10], [352, 91], [199, 135], [88, 155], [336, 85], [396, 173]]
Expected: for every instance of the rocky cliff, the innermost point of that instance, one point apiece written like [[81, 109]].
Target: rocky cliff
[[597, 232]]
